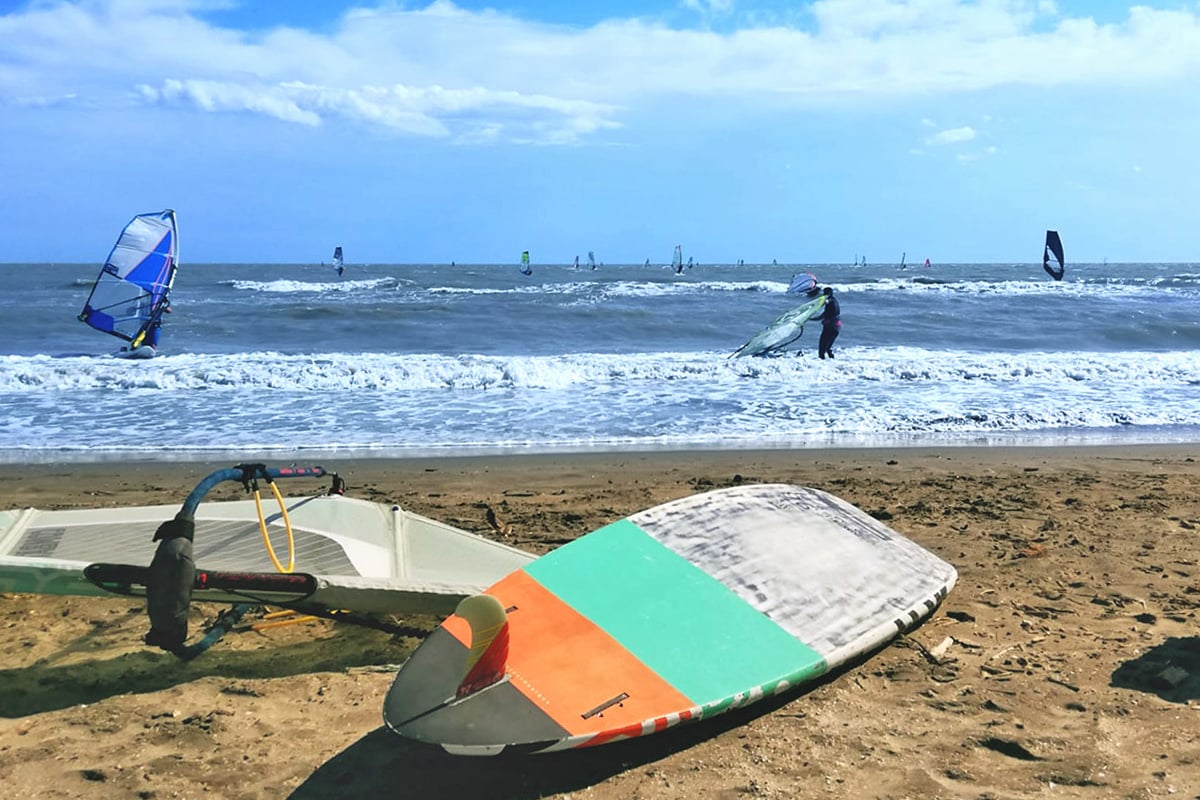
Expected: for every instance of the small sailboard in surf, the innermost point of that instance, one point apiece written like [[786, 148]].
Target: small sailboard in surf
[[131, 293], [338, 264], [803, 283], [525, 268], [674, 614], [1053, 248]]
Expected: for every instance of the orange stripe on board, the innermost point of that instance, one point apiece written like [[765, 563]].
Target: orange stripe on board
[[566, 665]]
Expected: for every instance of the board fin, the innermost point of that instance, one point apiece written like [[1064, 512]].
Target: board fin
[[489, 642]]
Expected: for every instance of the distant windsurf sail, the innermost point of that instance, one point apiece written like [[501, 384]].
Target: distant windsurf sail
[[1053, 248], [677, 258], [591, 259], [803, 283], [525, 268], [576, 264], [902, 257], [132, 291], [785, 330], [338, 264]]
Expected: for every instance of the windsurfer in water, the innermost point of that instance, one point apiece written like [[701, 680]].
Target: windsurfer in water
[[149, 337], [831, 323], [155, 328]]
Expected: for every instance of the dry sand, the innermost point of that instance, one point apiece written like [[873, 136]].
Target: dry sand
[[1072, 668]]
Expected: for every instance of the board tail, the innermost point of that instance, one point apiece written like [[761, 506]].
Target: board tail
[[489, 642]]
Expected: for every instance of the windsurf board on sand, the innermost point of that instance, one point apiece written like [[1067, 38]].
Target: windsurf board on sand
[[674, 614]]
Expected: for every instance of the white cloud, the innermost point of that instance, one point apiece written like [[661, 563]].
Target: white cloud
[[423, 111], [952, 136], [444, 71], [217, 96]]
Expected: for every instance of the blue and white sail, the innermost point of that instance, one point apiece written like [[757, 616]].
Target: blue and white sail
[[132, 291], [338, 263], [803, 283], [677, 259], [591, 259]]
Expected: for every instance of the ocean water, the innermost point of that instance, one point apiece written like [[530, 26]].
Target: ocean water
[[444, 359]]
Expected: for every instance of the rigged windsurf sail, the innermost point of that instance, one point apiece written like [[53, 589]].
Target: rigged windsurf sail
[[132, 291], [351, 554], [677, 259], [338, 265], [525, 268], [785, 330], [1053, 248], [576, 264], [803, 283], [591, 259]]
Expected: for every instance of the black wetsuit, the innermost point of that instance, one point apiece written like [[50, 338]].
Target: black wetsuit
[[831, 326]]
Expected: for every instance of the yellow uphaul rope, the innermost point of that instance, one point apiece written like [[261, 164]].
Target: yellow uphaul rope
[[278, 618], [287, 523]]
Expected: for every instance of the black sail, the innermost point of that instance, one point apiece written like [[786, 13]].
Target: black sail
[[1053, 247]]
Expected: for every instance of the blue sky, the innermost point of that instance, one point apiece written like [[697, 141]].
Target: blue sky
[[469, 131]]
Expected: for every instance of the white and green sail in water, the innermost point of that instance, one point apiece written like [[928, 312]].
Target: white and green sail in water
[[784, 331]]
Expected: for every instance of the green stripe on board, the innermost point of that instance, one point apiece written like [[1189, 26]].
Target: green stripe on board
[[681, 622]]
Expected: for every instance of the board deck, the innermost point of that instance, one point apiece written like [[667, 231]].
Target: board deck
[[673, 614]]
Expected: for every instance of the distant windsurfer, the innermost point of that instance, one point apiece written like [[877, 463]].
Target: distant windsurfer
[[804, 283], [831, 323]]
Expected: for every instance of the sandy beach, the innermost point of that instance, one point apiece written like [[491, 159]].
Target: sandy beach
[[1065, 663]]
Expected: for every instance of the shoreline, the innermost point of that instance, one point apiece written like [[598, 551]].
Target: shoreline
[[1176, 437]]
